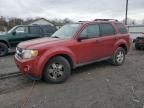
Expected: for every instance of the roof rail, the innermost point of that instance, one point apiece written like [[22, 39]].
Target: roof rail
[[106, 20], [82, 21]]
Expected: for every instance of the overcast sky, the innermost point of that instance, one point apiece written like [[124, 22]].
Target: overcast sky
[[73, 9]]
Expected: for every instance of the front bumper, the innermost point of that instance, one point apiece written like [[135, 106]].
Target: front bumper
[[139, 44], [29, 67]]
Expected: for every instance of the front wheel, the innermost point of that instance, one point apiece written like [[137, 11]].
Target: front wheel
[[57, 70], [118, 57]]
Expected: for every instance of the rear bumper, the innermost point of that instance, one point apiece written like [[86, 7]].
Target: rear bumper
[[29, 67]]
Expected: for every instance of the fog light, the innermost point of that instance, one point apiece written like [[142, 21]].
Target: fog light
[[26, 68]]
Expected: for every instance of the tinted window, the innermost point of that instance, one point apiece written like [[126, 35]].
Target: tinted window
[[107, 29], [91, 31], [48, 29], [35, 30], [121, 28]]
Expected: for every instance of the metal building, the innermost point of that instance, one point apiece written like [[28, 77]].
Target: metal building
[[41, 21], [136, 30]]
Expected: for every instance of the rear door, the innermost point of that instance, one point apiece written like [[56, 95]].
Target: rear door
[[34, 32], [107, 40]]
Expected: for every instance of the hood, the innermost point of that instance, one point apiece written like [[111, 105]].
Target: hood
[[40, 43], [3, 33]]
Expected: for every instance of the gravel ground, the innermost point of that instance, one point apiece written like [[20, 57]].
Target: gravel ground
[[7, 64], [99, 85]]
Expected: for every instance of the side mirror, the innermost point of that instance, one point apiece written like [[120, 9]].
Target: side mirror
[[13, 33], [134, 40], [82, 38]]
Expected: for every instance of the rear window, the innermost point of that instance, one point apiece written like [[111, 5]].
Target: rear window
[[121, 28], [107, 29]]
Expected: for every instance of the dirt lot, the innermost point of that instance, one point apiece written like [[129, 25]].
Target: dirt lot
[[7, 64], [99, 85]]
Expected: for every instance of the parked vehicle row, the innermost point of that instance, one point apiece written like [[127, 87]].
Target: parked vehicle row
[[73, 45], [21, 33]]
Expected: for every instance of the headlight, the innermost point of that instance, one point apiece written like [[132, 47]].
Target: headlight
[[30, 53]]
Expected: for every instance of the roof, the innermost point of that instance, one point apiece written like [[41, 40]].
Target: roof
[[142, 25], [100, 20]]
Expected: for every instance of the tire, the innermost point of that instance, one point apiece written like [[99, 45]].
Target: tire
[[134, 40], [118, 57], [137, 47], [57, 70], [3, 49]]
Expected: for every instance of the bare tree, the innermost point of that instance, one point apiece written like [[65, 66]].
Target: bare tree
[[8, 23], [3, 23]]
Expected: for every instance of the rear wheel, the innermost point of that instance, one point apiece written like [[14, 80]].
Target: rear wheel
[[118, 57], [57, 70], [3, 49]]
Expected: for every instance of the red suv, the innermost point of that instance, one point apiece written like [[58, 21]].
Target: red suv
[[74, 45]]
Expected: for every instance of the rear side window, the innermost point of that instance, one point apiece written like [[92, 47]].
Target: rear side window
[[48, 29], [121, 28], [35, 30], [91, 31], [107, 29]]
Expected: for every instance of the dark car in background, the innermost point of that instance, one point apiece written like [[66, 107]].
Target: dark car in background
[[21, 33], [139, 42]]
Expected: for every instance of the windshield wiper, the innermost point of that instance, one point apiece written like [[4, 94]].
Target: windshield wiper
[[55, 37]]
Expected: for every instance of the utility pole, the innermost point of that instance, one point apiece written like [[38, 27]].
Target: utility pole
[[126, 18]]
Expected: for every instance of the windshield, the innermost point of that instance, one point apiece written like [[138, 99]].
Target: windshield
[[67, 31], [11, 29]]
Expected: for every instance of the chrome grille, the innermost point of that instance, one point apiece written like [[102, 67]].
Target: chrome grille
[[19, 52]]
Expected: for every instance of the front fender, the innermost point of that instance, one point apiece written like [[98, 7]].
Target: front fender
[[54, 52], [5, 41]]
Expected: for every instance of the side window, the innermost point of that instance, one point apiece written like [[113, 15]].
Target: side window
[[35, 30], [121, 28], [48, 29], [91, 31], [21, 30], [107, 29]]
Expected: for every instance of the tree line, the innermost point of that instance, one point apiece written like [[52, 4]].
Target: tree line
[[7, 23]]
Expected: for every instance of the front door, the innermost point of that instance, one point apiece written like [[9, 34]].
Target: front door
[[18, 35], [87, 49]]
